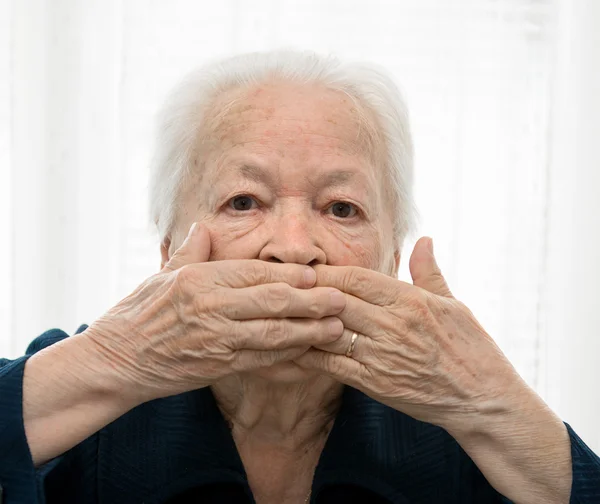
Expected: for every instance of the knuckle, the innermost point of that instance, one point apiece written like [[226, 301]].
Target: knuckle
[[278, 298], [398, 325], [239, 273], [355, 276], [223, 301], [184, 278], [419, 307], [265, 359], [239, 362], [208, 303], [275, 332], [348, 278], [234, 334], [257, 272], [253, 359], [333, 366], [240, 339], [316, 304]]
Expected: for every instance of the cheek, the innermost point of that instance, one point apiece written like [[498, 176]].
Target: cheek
[[234, 243], [355, 252]]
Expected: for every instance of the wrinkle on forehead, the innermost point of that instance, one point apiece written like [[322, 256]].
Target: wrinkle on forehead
[[308, 125], [329, 114], [304, 137]]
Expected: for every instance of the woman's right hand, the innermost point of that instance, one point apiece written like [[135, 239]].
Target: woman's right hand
[[197, 321]]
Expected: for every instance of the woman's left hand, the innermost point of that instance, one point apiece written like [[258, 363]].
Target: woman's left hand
[[417, 349], [422, 352]]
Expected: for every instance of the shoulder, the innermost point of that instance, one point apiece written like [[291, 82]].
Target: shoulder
[[50, 337]]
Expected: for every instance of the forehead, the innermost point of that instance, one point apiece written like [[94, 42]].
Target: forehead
[[290, 119]]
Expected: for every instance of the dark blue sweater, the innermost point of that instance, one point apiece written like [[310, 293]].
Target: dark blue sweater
[[179, 450]]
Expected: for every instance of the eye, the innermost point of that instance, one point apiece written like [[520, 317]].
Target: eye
[[343, 210], [242, 203]]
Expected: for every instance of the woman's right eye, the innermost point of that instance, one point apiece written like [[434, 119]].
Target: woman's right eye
[[242, 203]]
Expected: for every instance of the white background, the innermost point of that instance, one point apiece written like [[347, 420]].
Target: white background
[[505, 106]]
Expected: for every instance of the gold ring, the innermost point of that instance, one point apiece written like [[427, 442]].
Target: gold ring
[[350, 350]]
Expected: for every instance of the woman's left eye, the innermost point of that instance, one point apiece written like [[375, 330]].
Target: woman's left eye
[[343, 209], [242, 203]]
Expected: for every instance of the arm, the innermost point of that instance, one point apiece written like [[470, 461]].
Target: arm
[[529, 455], [152, 343], [70, 392], [422, 352], [19, 479], [180, 330], [523, 450]]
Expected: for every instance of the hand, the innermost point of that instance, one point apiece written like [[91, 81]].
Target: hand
[[418, 349], [196, 321], [422, 352]]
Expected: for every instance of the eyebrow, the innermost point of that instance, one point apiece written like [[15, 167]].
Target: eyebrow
[[337, 178], [329, 179], [256, 174]]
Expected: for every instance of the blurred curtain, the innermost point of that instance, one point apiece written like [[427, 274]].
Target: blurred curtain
[[504, 101]]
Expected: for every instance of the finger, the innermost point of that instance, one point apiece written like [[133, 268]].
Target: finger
[[425, 271], [248, 360], [363, 317], [249, 272], [278, 334], [369, 285], [194, 249], [361, 349], [340, 367], [281, 300]]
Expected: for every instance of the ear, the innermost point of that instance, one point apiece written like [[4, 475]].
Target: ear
[[396, 262], [392, 264], [164, 251]]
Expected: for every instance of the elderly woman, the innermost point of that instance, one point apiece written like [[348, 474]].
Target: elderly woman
[[275, 358]]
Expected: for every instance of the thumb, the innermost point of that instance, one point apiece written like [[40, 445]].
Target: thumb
[[194, 249], [424, 269]]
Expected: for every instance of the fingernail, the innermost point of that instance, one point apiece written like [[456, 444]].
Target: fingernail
[[338, 300], [193, 229], [431, 245], [335, 327], [310, 276]]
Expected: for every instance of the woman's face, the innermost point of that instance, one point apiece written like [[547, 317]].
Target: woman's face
[[288, 176]]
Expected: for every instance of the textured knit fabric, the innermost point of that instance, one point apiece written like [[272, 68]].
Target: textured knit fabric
[[179, 450]]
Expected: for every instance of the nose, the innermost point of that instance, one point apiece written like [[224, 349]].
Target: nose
[[293, 241]]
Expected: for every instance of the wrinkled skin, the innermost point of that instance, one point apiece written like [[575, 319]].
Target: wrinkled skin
[[275, 166], [418, 349], [196, 322], [291, 157], [286, 177]]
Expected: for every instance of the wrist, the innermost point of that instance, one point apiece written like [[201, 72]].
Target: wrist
[[520, 445], [500, 397], [106, 370], [68, 395]]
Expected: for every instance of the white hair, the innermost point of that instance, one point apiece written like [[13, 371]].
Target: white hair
[[185, 112]]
